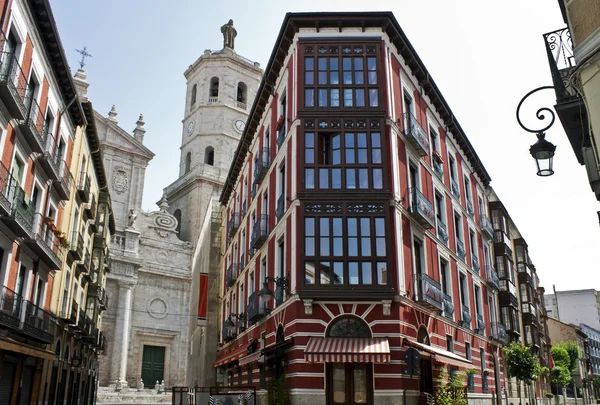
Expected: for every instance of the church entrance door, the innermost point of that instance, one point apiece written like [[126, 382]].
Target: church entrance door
[[153, 365]]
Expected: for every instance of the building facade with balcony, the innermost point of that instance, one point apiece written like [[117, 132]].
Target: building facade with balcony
[[365, 228], [39, 114]]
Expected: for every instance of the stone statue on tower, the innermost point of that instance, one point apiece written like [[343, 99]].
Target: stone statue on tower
[[229, 34]]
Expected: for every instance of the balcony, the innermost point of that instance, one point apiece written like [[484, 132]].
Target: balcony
[[492, 276], [251, 252], [470, 209], [260, 232], [89, 211], [241, 105], [21, 216], [486, 225], [83, 187], [103, 298], [13, 84], [442, 232], [232, 274], [508, 294], [429, 292], [438, 170], [234, 224], [244, 209], [90, 331], [447, 306], [83, 266], [38, 324], [5, 181], [70, 317], [32, 127], [465, 317], [261, 165], [475, 263], [76, 246], [65, 182], [460, 250], [45, 244], [498, 332], [570, 107], [480, 323], [421, 208], [47, 159], [415, 134], [255, 310], [80, 325], [280, 207], [10, 308], [455, 189]]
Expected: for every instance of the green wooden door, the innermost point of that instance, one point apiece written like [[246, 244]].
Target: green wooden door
[[153, 365]]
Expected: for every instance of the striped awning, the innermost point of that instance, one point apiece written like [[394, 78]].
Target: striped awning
[[443, 356], [347, 350], [233, 356], [252, 358]]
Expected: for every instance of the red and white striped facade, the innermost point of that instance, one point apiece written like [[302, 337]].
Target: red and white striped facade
[[397, 295]]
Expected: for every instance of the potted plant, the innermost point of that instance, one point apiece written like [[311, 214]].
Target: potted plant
[[438, 157], [487, 371], [279, 122]]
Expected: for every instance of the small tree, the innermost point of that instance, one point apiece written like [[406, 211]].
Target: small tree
[[521, 363], [561, 373]]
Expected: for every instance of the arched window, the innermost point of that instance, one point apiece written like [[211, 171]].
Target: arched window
[[214, 87], [241, 92], [209, 156], [188, 162], [177, 215], [423, 335], [349, 326], [194, 91]]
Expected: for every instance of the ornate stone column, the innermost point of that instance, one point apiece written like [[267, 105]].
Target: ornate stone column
[[122, 327]]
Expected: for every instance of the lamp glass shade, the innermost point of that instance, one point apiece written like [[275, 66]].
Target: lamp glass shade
[[230, 326], [543, 153], [265, 294]]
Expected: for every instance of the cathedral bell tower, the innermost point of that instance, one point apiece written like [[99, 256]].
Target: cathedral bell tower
[[221, 86]]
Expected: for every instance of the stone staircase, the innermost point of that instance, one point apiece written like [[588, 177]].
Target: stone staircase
[[108, 395]]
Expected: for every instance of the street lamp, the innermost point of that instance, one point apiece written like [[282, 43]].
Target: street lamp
[[266, 294], [229, 325], [543, 150]]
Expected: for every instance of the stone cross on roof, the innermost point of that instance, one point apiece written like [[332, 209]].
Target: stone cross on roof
[[229, 34]]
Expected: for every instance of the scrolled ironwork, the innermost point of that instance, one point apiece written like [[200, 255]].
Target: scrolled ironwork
[[540, 114]]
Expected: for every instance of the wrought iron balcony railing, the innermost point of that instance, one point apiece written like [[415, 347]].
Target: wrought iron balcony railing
[[492, 276], [10, 308], [470, 209], [22, 211], [83, 187], [498, 332], [475, 262], [254, 190], [32, 127], [44, 242], [415, 134], [486, 225], [438, 169], [38, 324], [255, 309], [442, 232], [559, 48], [421, 208], [65, 182], [234, 224], [429, 292], [465, 316], [460, 249], [48, 159], [280, 207], [455, 189], [261, 165], [76, 246], [13, 84], [281, 135], [260, 232], [480, 323], [5, 182], [447, 306], [232, 274], [89, 212]]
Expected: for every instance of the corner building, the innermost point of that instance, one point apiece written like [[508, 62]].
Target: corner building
[[366, 230]]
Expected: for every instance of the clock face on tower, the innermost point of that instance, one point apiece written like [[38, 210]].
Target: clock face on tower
[[190, 128], [239, 125]]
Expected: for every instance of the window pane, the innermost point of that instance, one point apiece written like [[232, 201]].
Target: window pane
[[349, 156], [336, 142], [359, 78], [309, 226], [373, 98], [338, 247], [309, 64], [352, 247], [352, 227], [336, 176], [347, 63], [358, 64], [365, 229], [382, 273], [379, 227], [350, 178], [353, 273], [339, 381], [362, 140], [325, 273], [376, 156], [375, 140], [362, 156], [334, 98], [309, 78], [347, 77], [334, 64], [322, 97], [322, 63], [378, 178], [337, 227], [309, 139], [309, 156], [365, 246], [338, 269], [348, 98], [372, 77], [309, 98], [322, 77], [323, 178], [324, 246], [367, 274], [309, 246], [360, 383], [334, 77], [363, 178], [380, 246], [309, 178], [349, 140], [324, 226], [309, 272], [371, 64], [360, 98]]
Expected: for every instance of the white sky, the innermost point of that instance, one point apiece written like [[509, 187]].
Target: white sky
[[483, 55]]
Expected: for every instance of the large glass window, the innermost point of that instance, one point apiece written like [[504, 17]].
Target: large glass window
[[349, 250], [352, 160], [340, 76]]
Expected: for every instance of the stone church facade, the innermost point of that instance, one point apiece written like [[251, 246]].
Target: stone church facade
[[163, 286]]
